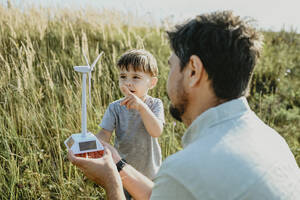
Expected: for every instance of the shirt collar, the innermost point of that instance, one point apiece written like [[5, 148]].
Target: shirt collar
[[213, 116]]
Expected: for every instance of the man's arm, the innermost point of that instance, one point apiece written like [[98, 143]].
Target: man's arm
[[104, 135], [138, 185]]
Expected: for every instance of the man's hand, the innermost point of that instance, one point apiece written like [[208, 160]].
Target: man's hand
[[131, 101], [103, 171], [114, 153]]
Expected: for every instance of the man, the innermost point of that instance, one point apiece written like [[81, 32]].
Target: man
[[228, 152]]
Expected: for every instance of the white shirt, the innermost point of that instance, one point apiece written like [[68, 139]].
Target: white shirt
[[229, 153]]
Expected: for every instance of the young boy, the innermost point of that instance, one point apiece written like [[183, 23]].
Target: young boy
[[137, 118]]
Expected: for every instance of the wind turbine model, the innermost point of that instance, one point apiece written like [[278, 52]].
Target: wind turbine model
[[85, 144]]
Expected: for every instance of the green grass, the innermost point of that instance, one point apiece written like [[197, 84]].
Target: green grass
[[40, 93]]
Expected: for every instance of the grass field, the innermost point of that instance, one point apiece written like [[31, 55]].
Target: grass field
[[40, 93]]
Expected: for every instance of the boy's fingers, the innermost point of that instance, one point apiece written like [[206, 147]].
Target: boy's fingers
[[125, 90], [129, 103], [124, 102]]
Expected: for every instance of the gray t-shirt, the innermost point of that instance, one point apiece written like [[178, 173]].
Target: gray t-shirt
[[132, 140]]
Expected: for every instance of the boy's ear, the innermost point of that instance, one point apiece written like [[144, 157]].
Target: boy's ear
[[153, 82]]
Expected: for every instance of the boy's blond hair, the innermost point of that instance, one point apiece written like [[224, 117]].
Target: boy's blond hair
[[140, 60]]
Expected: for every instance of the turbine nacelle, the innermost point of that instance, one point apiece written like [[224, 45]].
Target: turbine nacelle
[[82, 69]]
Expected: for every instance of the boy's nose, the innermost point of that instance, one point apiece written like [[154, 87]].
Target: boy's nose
[[128, 83]]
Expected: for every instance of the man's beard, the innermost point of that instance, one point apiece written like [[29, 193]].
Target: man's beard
[[177, 110]]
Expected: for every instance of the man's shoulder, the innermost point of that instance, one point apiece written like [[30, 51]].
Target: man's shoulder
[[175, 163], [179, 168]]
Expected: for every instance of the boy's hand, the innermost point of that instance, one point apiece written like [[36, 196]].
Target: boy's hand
[[131, 101]]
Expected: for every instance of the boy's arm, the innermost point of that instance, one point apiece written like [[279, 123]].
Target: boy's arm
[[152, 124], [104, 135]]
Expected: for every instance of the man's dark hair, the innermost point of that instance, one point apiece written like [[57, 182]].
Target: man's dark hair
[[227, 46]]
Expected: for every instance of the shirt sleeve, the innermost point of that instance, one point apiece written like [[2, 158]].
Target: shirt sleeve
[[158, 110], [109, 119], [168, 188]]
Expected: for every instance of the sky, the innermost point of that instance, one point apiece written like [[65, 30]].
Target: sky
[[269, 14]]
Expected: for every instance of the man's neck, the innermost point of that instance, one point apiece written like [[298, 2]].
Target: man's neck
[[197, 107]]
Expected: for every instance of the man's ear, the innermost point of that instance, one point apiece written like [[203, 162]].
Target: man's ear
[[195, 70], [153, 82]]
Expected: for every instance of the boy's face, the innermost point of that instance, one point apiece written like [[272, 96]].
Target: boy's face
[[137, 82]]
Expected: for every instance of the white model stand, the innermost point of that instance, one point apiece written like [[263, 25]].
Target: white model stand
[[85, 144]]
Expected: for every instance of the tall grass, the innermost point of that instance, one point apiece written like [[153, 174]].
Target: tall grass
[[40, 93]]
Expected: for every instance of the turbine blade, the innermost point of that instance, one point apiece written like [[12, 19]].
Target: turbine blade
[[86, 60], [94, 63]]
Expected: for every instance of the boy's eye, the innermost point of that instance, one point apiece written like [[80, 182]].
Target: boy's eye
[[136, 77], [122, 77]]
